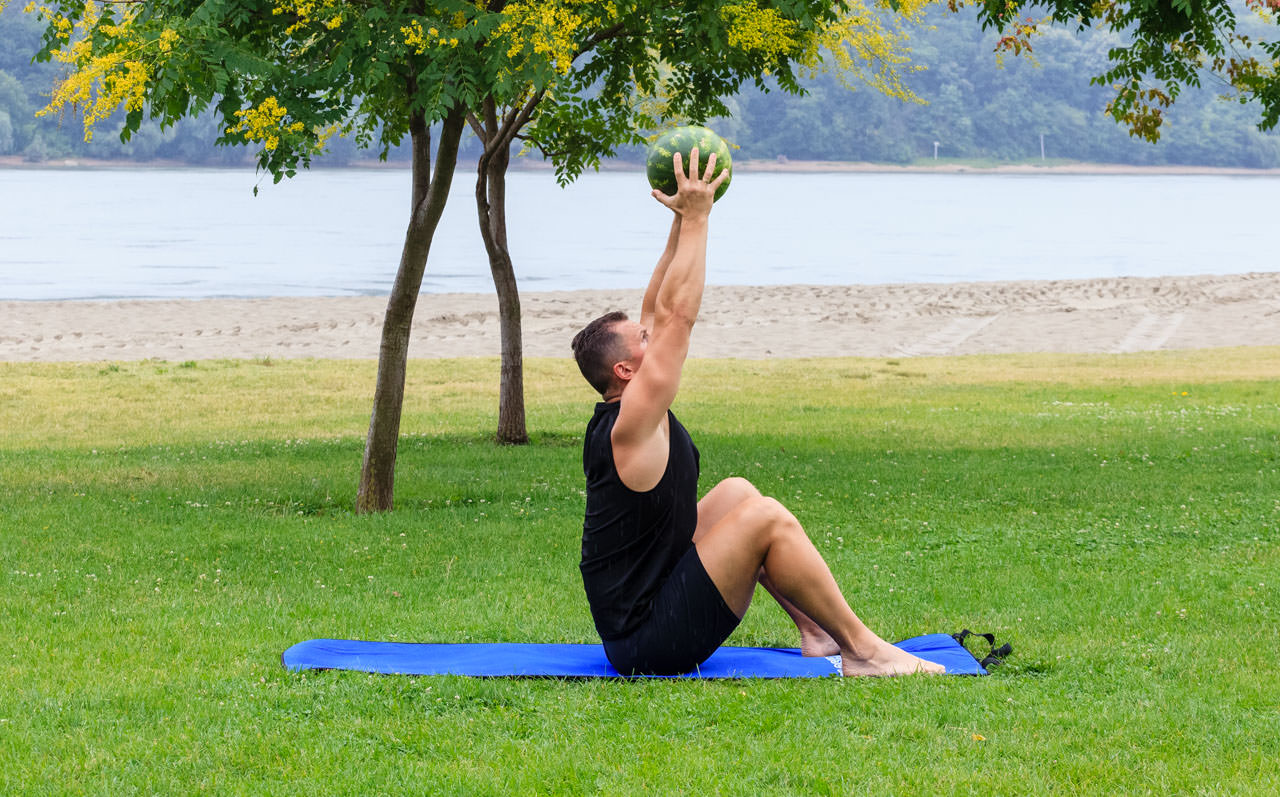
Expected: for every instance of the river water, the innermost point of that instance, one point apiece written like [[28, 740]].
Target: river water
[[190, 233]]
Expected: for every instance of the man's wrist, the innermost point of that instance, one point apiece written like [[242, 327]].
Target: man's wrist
[[697, 227]]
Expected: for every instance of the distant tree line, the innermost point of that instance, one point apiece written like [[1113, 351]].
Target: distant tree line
[[975, 109], [978, 110]]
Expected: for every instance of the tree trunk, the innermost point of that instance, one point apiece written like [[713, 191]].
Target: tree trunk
[[430, 192], [491, 204]]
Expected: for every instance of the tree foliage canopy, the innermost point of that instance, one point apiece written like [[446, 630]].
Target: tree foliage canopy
[[976, 109], [1169, 45], [288, 75]]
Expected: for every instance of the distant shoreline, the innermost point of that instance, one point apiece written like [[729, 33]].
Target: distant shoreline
[[776, 166]]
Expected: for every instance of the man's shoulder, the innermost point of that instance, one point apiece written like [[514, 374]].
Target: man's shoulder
[[605, 414], [599, 433]]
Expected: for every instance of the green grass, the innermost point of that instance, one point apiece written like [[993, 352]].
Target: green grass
[[166, 530]]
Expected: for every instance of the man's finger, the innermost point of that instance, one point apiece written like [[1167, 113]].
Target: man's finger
[[720, 178], [664, 199], [678, 161], [693, 164], [711, 168]]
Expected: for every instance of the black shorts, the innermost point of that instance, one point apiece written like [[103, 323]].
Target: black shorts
[[688, 622]]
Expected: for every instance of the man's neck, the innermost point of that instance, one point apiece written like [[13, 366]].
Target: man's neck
[[614, 393]]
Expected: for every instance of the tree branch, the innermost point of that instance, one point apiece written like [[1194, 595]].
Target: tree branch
[[509, 117], [490, 110], [523, 118], [476, 127], [615, 32], [512, 122]]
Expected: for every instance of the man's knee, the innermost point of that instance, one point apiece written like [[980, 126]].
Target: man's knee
[[755, 526], [739, 488], [771, 518]]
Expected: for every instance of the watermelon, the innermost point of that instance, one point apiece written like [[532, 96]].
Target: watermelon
[[661, 170]]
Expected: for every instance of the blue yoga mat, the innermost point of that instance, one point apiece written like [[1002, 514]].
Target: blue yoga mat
[[531, 660]]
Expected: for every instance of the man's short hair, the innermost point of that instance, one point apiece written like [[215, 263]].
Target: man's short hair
[[597, 347]]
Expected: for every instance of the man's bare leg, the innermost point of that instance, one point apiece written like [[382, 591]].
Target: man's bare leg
[[761, 532], [813, 640], [720, 501]]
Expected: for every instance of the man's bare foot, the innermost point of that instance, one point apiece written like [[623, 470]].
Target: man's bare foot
[[886, 659], [817, 643]]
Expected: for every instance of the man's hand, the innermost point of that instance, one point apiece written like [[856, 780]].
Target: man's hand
[[694, 194]]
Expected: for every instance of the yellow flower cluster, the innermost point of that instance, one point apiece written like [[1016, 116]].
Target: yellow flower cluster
[[755, 29], [63, 26], [168, 38], [116, 79], [100, 81], [265, 123], [304, 12], [547, 28], [415, 36], [419, 39], [861, 44]]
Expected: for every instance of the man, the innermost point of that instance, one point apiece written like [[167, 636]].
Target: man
[[668, 576]]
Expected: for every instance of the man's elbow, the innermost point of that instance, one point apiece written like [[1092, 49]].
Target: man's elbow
[[675, 315]]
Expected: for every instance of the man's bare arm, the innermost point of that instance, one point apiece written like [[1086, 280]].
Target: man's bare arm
[[659, 273], [640, 443], [680, 295]]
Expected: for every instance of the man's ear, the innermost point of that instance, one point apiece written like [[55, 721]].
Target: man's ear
[[623, 371]]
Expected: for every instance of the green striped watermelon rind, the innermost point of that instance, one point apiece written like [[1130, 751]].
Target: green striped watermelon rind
[[659, 163]]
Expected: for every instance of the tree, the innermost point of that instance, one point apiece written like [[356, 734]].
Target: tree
[[6, 133], [14, 113], [617, 75], [290, 74], [1167, 46]]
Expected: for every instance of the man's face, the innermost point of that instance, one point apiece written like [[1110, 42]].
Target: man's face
[[636, 339]]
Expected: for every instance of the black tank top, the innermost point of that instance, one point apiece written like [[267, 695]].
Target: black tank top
[[631, 541]]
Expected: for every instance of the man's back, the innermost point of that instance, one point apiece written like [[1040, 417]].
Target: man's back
[[631, 540]]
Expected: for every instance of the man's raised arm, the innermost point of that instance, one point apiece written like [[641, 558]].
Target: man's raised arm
[[640, 434], [659, 273]]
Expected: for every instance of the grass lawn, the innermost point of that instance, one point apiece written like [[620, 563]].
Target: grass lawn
[[167, 529]]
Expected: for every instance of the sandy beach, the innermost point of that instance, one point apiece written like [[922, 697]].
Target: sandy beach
[[910, 320]]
